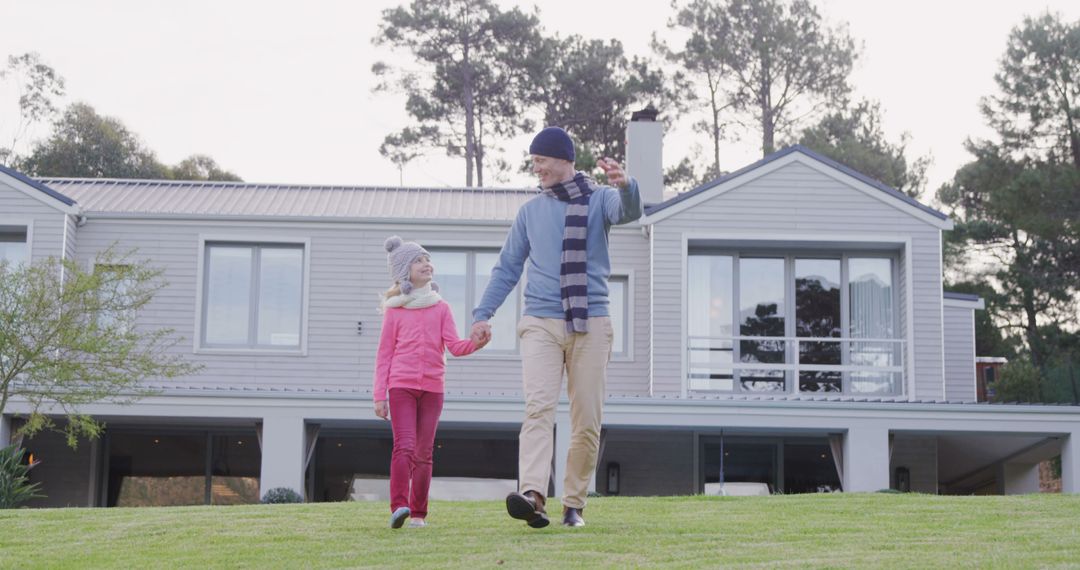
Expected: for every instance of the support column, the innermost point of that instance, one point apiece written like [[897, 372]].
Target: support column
[[562, 448], [5, 430], [1018, 478], [866, 459], [1070, 463], [283, 450]]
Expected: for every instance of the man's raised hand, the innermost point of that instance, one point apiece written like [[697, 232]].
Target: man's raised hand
[[614, 171]]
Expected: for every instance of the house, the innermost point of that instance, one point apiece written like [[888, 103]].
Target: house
[[783, 325]]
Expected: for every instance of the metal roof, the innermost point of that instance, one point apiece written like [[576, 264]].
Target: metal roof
[[36, 185], [654, 208], [224, 199]]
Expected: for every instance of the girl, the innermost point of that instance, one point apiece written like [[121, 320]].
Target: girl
[[409, 368]]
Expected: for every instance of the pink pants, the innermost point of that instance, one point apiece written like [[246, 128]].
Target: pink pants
[[414, 415]]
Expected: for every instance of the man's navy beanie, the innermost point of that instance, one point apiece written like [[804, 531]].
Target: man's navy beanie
[[553, 142]]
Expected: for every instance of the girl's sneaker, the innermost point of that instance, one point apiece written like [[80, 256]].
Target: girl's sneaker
[[416, 523], [398, 518]]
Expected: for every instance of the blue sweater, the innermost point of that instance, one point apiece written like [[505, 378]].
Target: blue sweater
[[536, 237]]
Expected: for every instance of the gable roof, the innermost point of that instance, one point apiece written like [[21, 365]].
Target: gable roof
[[203, 199], [900, 197], [37, 187]]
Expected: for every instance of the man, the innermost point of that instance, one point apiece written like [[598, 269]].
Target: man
[[562, 234]]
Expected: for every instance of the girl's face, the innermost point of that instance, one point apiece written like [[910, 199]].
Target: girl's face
[[421, 271]]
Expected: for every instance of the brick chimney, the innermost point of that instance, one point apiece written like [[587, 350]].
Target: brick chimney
[[644, 154]]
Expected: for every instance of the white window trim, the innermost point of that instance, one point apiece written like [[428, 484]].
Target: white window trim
[[839, 240], [251, 238], [28, 223], [628, 336], [473, 247]]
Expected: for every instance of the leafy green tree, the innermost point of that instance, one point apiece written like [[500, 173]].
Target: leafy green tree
[[704, 58], [591, 88], [1037, 109], [69, 336], [1061, 382], [773, 61], [683, 176], [1019, 382], [201, 167], [993, 201], [481, 66], [38, 86], [853, 137], [1019, 200], [86, 144]]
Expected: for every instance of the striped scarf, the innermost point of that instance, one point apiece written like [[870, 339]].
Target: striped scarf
[[573, 280]]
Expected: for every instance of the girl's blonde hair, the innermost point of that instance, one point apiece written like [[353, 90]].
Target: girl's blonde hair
[[393, 291]]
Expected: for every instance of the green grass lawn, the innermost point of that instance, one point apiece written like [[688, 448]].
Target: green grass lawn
[[853, 531]]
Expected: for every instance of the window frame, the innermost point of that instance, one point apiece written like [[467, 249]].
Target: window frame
[[472, 295], [626, 277], [791, 380], [28, 225], [202, 275]]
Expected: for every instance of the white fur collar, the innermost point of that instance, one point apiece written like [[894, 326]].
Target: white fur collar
[[418, 298]]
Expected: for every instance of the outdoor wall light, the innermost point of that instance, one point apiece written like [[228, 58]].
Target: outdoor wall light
[[612, 478], [903, 479]]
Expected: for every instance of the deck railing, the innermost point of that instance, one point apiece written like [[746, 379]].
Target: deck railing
[[756, 364]]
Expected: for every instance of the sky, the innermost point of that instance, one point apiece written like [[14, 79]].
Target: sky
[[281, 92]]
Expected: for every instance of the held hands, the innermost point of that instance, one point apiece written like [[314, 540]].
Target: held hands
[[614, 171], [382, 409], [481, 334]]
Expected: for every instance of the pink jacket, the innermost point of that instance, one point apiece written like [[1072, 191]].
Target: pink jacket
[[411, 349]]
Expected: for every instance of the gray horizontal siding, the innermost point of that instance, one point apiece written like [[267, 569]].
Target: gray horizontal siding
[[797, 199], [919, 454], [347, 275], [630, 254], [959, 354], [47, 234], [71, 237]]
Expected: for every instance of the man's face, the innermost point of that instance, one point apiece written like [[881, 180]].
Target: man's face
[[551, 171]]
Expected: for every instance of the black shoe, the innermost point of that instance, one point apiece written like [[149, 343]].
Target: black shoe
[[529, 507], [572, 517]]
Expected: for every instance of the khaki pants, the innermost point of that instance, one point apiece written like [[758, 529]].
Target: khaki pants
[[547, 350]]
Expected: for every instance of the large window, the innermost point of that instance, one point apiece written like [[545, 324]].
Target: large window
[[783, 323], [13, 246], [463, 276], [253, 295]]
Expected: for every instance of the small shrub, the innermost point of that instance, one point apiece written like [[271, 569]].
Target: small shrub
[[15, 485], [1019, 382], [280, 495]]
